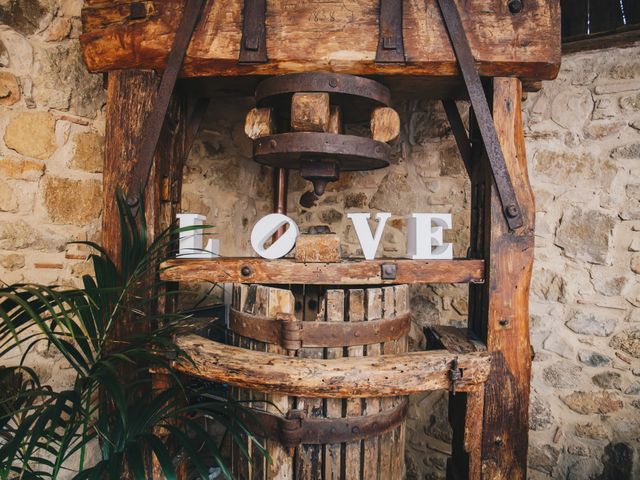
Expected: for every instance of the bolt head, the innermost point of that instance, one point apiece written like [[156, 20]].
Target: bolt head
[[515, 6], [245, 271], [333, 83], [512, 211]]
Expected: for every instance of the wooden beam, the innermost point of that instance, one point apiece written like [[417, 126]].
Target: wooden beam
[[286, 272], [352, 377], [311, 36], [499, 309]]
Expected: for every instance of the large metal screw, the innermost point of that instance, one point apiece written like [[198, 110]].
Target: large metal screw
[[245, 271], [515, 6]]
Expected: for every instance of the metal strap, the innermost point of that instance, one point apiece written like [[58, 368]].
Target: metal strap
[[154, 122], [296, 428], [504, 186], [459, 133], [253, 47], [390, 38], [292, 334]]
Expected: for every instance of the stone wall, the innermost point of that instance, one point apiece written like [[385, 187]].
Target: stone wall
[[583, 144]]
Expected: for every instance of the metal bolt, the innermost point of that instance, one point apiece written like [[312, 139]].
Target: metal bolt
[[246, 271], [273, 143], [512, 211], [389, 271], [133, 200], [515, 6], [498, 442], [355, 430], [333, 83]]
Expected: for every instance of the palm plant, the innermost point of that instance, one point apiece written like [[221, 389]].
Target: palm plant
[[110, 401]]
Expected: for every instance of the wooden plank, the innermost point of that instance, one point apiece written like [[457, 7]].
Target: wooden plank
[[382, 376], [499, 309], [385, 461], [308, 461], [402, 306], [259, 122], [286, 272], [353, 464], [281, 465], [314, 35], [371, 446], [333, 452], [318, 248]]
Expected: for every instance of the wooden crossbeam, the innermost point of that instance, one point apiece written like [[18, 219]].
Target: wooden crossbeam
[[352, 377], [287, 272]]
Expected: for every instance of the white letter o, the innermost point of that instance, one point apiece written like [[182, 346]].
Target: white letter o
[[264, 230]]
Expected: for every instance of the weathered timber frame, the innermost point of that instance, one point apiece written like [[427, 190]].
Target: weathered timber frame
[[498, 267]]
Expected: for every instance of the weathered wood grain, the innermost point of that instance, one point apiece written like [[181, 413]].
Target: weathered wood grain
[[259, 122], [354, 406], [499, 309], [287, 272], [452, 339], [310, 112], [385, 124], [386, 375], [335, 300], [316, 35]]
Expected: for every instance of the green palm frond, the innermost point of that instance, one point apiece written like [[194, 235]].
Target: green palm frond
[[41, 429]]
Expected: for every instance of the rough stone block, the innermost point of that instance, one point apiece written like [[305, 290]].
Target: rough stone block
[[587, 403], [72, 201], [89, 152], [8, 200], [628, 341], [32, 134], [588, 322], [318, 248], [21, 169], [585, 235], [9, 89]]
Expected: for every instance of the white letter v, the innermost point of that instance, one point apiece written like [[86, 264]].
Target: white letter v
[[368, 243]]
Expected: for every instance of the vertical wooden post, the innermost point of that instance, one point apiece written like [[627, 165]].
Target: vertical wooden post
[[499, 310], [130, 96]]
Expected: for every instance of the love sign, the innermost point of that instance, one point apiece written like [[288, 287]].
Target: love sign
[[424, 236]]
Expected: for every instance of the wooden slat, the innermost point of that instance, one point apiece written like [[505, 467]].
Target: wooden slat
[[353, 462], [332, 452], [287, 272], [281, 465], [308, 461], [402, 306], [386, 375], [385, 460], [314, 35], [371, 446]]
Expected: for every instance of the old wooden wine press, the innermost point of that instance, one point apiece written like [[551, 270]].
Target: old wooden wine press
[[323, 359]]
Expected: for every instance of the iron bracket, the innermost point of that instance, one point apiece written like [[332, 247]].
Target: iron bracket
[[390, 38], [156, 119], [455, 375], [502, 178], [253, 46]]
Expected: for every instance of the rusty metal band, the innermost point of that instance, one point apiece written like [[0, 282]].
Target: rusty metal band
[[390, 37], [460, 42], [154, 122], [292, 334], [338, 83], [295, 149], [296, 428], [253, 46], [459, 132]]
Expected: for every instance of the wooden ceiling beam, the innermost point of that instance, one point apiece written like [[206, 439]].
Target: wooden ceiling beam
[[526, 44]]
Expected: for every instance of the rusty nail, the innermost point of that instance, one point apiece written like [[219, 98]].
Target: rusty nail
[[245, 271], [498, 442], [356, 334]]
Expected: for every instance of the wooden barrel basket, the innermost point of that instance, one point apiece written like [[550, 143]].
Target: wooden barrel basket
[[314, 437]]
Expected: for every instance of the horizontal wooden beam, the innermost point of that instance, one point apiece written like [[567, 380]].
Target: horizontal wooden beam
[[381, 376], [316, 35], [352, 272]]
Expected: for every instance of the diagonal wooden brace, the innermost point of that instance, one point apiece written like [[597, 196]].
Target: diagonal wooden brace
[[155, 120], [504, 185]]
